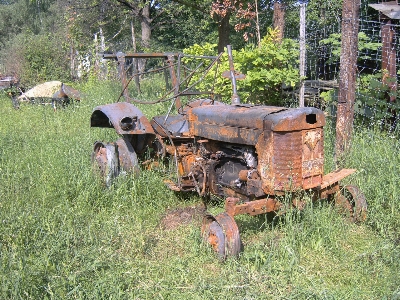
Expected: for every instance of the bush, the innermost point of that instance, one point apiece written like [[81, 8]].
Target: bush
[[36, 58], [266, 67]]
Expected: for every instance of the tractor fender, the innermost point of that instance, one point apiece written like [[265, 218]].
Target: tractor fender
[[124, 117]]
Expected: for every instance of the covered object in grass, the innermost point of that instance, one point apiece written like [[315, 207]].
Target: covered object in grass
[[51, 89]]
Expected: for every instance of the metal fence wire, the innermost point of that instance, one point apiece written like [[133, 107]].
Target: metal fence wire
[[377, 95], [376, 89]]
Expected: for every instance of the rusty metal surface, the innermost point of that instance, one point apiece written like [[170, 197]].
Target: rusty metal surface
[[255, 207], [171, 185], [295, 119], [124, 117], [359, 203], [289, 161], [213, 234], [235, 124], [232, 238], [175, 126], [255, 158], [351, 202], [244, 115], [245, 123], [222, 233], [334, 177], [105, 160], [286, 161], [248, 154], [128, 160], [389, 9], [313, 158], [154, 55]]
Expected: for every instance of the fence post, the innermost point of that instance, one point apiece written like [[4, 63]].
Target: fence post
[[122, 75], [389, 14], [347, 78], [302, 51]]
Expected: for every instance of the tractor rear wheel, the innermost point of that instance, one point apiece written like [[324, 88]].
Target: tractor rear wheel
[[351, 202], [114, 159]]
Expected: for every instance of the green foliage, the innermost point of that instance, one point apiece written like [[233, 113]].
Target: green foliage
[[32, 40], [182, 26], [266, 67], [44, 60], [364, 43], [36, 58], [371, 96]]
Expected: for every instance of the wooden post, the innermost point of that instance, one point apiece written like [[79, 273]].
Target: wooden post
[[302, 51], [175, 81], [122, 75], [389, 13], [257, 25], [135, 60], [389, 66], [389, 57], [347, 79]]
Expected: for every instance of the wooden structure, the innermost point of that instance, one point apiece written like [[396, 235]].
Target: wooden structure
[[389, 13]]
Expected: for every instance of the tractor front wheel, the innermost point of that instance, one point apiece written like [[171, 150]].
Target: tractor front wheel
[[222, 233]]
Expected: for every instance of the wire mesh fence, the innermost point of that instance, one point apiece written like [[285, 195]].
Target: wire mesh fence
[[376, 90], [376, 97]]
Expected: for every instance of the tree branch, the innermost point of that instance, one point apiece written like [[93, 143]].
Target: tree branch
[[192, 5], [129, 5]]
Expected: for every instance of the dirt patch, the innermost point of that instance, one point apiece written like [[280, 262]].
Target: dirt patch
[[176, 217]]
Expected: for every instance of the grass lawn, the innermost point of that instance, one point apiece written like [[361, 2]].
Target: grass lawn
[[64, 236]]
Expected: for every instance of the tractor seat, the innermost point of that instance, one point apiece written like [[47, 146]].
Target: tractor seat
[[174, 126]]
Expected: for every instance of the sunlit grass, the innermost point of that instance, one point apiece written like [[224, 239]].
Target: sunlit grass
[[63, 235]]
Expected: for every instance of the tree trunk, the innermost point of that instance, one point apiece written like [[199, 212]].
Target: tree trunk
[[257, 25], [73, 61], [223, 32], [278, 19], [103, 65], [347, 79], [135, 60], [145, 23]]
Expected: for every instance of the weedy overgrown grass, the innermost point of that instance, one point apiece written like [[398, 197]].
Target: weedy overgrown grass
[[63, 235]]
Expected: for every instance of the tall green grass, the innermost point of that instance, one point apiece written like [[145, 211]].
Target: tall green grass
[[64, 236]]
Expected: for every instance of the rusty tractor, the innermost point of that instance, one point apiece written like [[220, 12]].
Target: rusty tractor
[[250, 155]]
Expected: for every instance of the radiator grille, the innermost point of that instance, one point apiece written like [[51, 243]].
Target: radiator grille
[[287, 160]]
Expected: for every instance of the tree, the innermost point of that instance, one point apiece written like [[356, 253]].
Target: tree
[[279, 18], [222, 12], [146, 13], [32, 46], [181, 26]]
